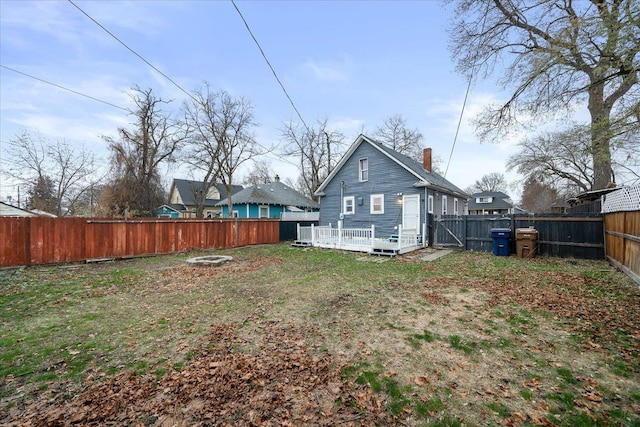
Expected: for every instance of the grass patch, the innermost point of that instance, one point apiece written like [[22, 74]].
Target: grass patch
[[153, 316], [456, 342], [415, 340], [500, 409]]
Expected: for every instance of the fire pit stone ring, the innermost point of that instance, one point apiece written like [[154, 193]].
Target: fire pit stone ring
[[209, 260]]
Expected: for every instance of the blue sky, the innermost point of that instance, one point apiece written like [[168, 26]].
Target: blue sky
[[352, 62]]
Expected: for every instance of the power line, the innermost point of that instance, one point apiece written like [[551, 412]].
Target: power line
[[170, 79], [466, 95], [270, 66], [62, 87], [131, 50], [455, 138]]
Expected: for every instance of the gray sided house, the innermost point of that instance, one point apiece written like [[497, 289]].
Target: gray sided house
[[182, 199], [375, 185], [267, 201], [490, 203]]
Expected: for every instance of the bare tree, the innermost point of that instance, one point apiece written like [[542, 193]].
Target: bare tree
[[55, 173], [491, 182], [538, 197], [560, 159], [139, 153], [262, 173], [220, 138], [559, 54], [317, 150], [395, 134]]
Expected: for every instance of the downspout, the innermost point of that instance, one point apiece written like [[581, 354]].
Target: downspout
[[341, 199], [425, 226]]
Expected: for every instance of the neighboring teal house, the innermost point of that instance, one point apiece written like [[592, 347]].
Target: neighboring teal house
[[267, 201], [166, 211]]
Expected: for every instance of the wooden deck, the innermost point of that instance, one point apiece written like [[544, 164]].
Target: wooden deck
[[358, 240]]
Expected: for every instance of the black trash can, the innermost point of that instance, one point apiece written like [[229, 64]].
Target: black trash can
[[501, 241]]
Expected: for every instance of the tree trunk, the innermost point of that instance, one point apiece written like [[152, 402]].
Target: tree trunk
[[600, 137]]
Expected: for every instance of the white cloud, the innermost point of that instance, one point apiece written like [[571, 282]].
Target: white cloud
[[330, 71]]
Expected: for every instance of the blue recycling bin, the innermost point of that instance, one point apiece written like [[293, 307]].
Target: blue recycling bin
[[501, 241]]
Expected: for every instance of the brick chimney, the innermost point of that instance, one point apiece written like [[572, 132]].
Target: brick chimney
[[426, 159]]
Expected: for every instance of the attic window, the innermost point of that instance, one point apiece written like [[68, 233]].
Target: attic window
[[363, 169], [484, 199]]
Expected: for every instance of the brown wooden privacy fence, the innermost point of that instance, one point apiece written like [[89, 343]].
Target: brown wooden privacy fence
[[622, 229], [39, 240]]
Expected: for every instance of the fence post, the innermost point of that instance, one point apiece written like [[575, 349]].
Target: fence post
[[340, 234], [313, 236], [466, 233], [297, 231], [373, 233], [399, 236]]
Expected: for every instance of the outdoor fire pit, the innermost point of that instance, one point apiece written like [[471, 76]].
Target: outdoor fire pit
[[209, 260]]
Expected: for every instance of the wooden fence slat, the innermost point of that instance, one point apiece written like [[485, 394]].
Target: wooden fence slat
[[40, 240]]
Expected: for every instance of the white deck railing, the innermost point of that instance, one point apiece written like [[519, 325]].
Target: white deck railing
[[359, 239]]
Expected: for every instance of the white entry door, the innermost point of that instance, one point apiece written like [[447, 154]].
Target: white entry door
[[411, 212]]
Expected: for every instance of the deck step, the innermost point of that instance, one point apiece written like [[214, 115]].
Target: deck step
[[382, 251]]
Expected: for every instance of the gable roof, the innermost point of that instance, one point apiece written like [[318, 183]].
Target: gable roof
[[9, 210], [424, 178], [498, 200], [275, 193], [186, 188]]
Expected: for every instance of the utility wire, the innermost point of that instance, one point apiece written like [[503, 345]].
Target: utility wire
[[62, 87], [131, 50], [270, 66], [466, 95], [455, 138]]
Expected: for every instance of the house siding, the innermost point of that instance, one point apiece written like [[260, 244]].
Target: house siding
[[253, 210], [385, 177]]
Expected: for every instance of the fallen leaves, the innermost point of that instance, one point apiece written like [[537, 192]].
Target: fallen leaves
[[276, 383]]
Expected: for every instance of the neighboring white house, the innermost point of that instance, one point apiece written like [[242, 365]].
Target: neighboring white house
[[490, 203], [10, 210]]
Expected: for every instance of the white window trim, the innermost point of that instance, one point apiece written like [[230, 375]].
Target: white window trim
[[260, 207], [455, 206], [235, 214], [430, 204], [444, 204], [361, 170], [372, 204], [353, 205]]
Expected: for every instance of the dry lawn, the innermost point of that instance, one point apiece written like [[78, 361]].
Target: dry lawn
[[286, 336]]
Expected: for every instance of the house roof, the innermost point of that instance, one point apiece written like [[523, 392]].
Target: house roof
[[187, 188], [498, 202], [9, 210], [275, 193], [425, 179]]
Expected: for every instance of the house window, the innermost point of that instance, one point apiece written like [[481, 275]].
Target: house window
[[235, 214], [349, 205], [364, 169], [484, 199], [455, 206], [377, 203], [444, 204], [430, 204], [264, 212]]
